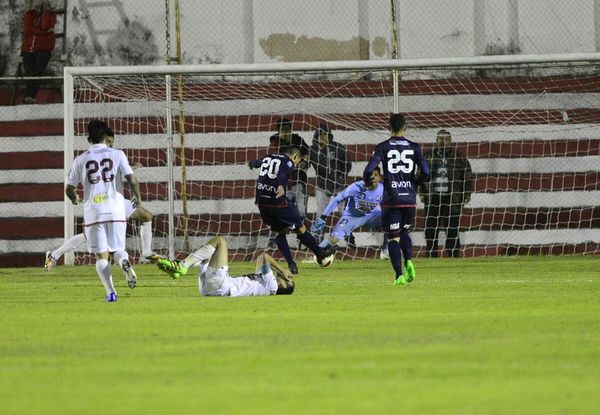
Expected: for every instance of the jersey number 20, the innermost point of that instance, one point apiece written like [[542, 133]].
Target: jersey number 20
[[400, 161], [270, 167]]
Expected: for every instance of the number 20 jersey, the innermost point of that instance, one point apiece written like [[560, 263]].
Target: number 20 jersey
[[101, 170], [400, 158], [273, 172]]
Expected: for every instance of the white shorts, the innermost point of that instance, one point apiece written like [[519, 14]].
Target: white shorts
[[129, 209], [213, 281], [106, 237]]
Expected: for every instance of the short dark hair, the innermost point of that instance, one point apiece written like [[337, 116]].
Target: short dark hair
[[283, 122], [444, 132], [110, 132], [397, 122], [320, 128], [97, 130], [287, 290]]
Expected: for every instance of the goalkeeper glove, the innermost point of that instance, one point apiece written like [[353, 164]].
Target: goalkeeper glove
[[318, 225]]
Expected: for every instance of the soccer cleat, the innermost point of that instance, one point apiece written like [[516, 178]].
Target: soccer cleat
[[50, 262], [384, 254], [149, 259], [129, 274], [327, 256], [111, 298], [175, 269], [410, 271], [293, 268], [400, 280]]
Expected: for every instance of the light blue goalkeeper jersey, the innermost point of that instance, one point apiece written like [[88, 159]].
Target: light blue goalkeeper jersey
[[361, 200]]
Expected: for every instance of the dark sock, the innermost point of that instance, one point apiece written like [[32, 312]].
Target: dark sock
[[309, 241], [395, 257], [406, 246], [284, 248]]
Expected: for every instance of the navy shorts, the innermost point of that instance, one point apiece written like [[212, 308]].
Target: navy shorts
[[281, 218], [396, 221]]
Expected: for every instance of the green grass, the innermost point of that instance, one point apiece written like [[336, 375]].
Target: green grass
[[517, 335]]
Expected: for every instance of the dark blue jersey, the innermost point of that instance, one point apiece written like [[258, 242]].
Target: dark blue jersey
[[273, 172], [400, 158]]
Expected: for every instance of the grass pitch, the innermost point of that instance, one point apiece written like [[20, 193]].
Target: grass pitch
[[470, 336]]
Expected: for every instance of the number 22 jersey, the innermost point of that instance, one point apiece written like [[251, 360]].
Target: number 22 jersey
[[101, 170], [400, 158]]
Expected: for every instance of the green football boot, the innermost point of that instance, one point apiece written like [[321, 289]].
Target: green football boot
[[410, 271], [400, 280], [175, 268]]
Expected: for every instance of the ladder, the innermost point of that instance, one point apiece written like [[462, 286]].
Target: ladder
[[86, 6]]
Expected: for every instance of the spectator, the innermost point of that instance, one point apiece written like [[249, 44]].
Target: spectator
[[331, 164], [444, 196], [38, 44]]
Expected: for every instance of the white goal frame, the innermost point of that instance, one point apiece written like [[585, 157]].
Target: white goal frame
[[481, 62]]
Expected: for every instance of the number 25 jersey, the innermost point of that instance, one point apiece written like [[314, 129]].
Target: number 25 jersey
[[400, 158], [101, 171]]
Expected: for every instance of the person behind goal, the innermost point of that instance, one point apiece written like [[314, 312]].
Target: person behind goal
[[101, 171], [214, 280], [138, 213]]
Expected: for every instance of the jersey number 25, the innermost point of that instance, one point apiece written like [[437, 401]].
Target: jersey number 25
[[400, 161]]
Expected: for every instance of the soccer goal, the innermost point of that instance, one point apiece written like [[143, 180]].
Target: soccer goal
[[529, 126]]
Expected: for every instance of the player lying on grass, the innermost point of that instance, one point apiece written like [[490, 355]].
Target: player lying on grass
[[138, 214], [363, 209], [214, 280]]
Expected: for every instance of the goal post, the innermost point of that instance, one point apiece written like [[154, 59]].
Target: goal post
[[529, 125]]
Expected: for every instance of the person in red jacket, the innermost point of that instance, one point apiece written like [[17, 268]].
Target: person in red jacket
[[38, 43]]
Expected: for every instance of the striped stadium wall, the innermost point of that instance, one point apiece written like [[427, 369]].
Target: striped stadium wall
[[537, 187]]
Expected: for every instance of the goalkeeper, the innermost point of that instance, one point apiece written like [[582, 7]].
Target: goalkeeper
[[363, 209]]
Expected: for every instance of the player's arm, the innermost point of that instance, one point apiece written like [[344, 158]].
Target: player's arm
[[72, 194], [319, 223], [283, 273], [134, 186], [373, 163], [424, 174]]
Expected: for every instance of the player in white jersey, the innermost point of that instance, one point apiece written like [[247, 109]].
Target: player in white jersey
[[214, 280], [137, 213], [101, 171]]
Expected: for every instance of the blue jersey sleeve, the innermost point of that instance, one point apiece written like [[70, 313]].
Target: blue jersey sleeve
[[373, 163], [424, 172], [347, 193]]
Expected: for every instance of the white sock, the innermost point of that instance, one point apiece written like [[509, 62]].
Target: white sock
[[120, 256], [69, 245], [146, 237], [200, 255], [105, 274]]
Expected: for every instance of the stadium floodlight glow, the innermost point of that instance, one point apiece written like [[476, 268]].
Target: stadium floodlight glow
[[529, 125]]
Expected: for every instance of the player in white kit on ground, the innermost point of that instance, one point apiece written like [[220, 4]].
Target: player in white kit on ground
[[101, 170], [214, 280]]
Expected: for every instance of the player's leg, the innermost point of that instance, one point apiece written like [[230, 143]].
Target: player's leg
[[391, 224], [280, 220], [116, 234], [214, 279], [97, 245], [407, 218], [145, 218], [178, 268], [284, 248], [70, 245]]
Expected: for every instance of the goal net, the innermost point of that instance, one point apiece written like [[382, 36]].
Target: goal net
[[528, 126]]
